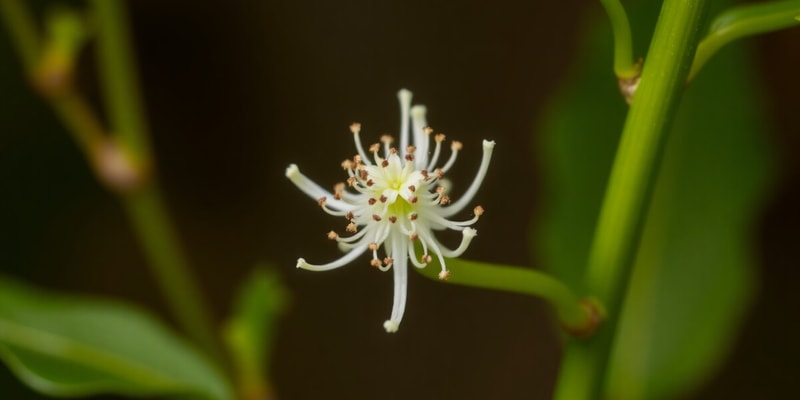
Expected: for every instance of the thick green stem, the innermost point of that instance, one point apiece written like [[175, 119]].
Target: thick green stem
[[144, 204], [616, 239]]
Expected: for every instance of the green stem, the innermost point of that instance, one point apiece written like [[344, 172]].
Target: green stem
[[619, 226], [22, 29], [569, 308], [624, 65], [144, 205], [743, 21]]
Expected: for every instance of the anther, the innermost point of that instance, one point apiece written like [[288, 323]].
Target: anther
[[370, 182], [371, 201], [413, 216], [375, 262], [392, 219], [376, 217], [387, 139], [351, 227], [424, 173], [385, 163], [425, 259], [355, 127], [444, 200], [388, 261], [363, 174], [409, 157], [321, 201], [413, 199], [478, 210], [412, 188], [347, 164], [392, 151], [357, 159], [439, 137], [444, 275], [374, 148], [439, 173], [383, 199], [373, 246], [351, 181], [349, 216], [413, 237], [332, 235], [411, 149], [428, 130], [456, 145]]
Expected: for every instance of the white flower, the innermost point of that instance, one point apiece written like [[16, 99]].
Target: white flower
[[396, 200]]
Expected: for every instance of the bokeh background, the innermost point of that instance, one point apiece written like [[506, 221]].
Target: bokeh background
[[237, 91]]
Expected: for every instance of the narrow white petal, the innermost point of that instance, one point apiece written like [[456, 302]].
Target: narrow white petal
[[420, 138], [466, 198], [404, 95], [313, 190], [399, 250], [344, 260]]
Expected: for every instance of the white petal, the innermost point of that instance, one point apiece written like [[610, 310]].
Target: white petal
[[466, 198]]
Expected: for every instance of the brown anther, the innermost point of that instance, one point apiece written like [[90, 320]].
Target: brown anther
[[355, 127], [412, 188], [439, 137], [347, 164], [392, 151], [375, 147], [385, 163], [371, 201], [413, 216], [392, 219], [413, 199], [413, 237], [350, 216], [424, 173], [456, 145], [440, 189], [444, 200], [409, 157], [321, 201], [439, 173], [337, 195], [478, 210], [376, 217], [375, 262], [338, 188], [411, 149], [357, 159], [428, 130], [387, 139], [351, 227], [351, 181], [425, 259], [383, 199], [363, 174], [332, 235], [387, 261], [373, 246], [444, 275], [370, 182]]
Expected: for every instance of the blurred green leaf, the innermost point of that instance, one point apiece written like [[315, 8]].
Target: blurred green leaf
[[694, 271], [251, 330], [64, 345]]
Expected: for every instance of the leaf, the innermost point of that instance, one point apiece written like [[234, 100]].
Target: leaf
[[64, 345], [694, 271], [251, 330]]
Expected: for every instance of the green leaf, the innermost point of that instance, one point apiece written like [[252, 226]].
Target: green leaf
[[694, 271], [64, 345], [251, 330]]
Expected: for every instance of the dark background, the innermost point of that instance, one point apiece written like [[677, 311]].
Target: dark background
[[236, 92]]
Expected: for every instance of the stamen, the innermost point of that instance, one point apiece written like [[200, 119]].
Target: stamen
[[455, 147], [355, 127], [344, 260], [351, 227], [333, 235], [444, 275]]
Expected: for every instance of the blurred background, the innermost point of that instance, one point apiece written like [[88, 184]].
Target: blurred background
[[235, 93]]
